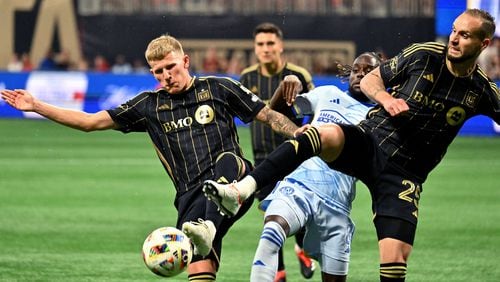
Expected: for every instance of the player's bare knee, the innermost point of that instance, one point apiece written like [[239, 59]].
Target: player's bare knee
[[394, 250], [280, 220]]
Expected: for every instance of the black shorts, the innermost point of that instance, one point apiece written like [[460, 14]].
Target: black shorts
[[395, 193], [193, 205]]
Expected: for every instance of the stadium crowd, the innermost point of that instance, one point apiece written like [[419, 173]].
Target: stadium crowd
[[213, 62]]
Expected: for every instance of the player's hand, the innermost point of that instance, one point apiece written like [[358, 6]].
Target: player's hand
[[301, 130], [291, 88], [19, 99], [396, 106]]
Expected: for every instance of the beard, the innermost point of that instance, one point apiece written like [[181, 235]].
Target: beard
[[471, 55]]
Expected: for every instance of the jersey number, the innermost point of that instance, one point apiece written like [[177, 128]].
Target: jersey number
[[412, 194]]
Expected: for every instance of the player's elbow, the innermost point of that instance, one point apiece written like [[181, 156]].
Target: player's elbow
[[91, 123]]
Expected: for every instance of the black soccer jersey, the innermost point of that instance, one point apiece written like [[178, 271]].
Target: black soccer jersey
[[189, 130], [264, 139], [439, 105]]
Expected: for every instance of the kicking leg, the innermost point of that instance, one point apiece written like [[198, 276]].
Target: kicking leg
[[277, 165]]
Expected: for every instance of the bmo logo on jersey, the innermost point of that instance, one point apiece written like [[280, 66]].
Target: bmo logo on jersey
[[204, 114], [177, 124]]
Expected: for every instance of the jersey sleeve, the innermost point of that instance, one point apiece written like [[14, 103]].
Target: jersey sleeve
[[130, 116], [307, 82], [493, 103], [242, 102], [396, 70], [307, 103], [302, 107]]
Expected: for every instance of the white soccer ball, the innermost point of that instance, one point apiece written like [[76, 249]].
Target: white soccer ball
[[167, 251]]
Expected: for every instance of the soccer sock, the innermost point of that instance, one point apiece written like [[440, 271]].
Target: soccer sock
[[246, 186], [392, 272], [265, 263], [287, 157], [202, 277], [228, 167], [299, 237], [281, 260]]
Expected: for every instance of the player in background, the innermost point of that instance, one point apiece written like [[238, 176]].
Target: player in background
[[262, 79], [190, 121], [314, 196], [435, 89]]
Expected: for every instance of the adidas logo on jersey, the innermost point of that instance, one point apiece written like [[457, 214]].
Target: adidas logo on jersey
[[164, 107], [429, 77]]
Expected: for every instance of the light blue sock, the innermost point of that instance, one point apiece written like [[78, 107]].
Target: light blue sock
[[265, 262]]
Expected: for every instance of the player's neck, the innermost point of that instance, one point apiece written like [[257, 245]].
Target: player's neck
[[271, 68], [462, 69]]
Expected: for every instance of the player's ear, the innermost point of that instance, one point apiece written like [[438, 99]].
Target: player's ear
[[486, 42], [186, 61]]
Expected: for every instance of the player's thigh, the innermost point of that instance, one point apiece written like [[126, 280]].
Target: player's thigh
[[291, 202], [332, 141], [328, 239], [190, 207]]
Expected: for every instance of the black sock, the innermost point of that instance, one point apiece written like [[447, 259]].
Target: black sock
[[281, 261], [392, 272], [287, 157], [229, 167], [299, 237]]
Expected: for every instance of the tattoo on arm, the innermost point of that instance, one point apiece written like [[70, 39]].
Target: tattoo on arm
[[277, 121]]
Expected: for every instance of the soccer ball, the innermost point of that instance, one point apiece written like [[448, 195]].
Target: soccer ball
[[167, 251]]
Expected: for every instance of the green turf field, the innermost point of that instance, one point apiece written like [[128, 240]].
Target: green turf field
[[77, 206]]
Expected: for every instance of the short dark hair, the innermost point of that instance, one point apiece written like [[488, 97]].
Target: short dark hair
[[268, 28], [488, 26]]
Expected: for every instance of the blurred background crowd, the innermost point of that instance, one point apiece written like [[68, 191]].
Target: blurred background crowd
[[211, 58]]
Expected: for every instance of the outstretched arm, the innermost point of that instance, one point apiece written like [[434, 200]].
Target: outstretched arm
[[277, 121], [24, 101], [373, 87]]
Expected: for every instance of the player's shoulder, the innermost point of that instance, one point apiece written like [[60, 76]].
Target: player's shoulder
[[485, 79], [429, 48], [298, 70], [327, 90], [148, 93], [218, 79], [252, 68]]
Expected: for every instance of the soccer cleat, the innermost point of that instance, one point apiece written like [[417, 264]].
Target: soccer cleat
[[202, 234], [307, 265], [280, 276], [225, 196]]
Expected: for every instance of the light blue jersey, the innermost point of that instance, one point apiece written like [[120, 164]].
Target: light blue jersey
[[315, 196], [329, 104]]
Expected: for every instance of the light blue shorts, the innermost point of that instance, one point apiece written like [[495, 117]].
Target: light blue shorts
[[328, 231]]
